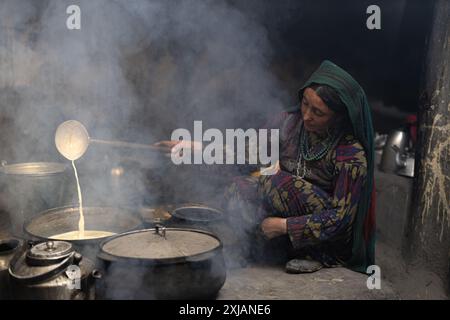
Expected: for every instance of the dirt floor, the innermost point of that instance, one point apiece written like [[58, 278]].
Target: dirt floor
[[409, 281], [399, 282], [271, 282]]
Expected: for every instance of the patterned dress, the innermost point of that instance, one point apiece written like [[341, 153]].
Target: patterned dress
[[319, 208]]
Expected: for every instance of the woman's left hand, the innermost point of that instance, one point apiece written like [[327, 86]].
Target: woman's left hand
[[273, 227]]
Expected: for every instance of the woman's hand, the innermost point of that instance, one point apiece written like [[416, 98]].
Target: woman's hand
[[166, 146], [273, 227], [169, 147], [273, 169]]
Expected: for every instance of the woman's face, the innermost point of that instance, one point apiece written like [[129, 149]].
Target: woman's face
[[317, 117]]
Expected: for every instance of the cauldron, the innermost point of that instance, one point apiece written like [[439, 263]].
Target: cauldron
[[65, 219], [162, 263]]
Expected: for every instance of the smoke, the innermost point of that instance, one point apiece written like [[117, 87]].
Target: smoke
[[136, 71]]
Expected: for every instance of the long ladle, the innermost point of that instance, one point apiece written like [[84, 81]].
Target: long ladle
[[72, 140]]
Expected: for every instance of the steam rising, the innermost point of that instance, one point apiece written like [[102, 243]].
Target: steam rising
[[136, 71]]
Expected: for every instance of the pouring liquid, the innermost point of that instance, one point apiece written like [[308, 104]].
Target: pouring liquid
[[81, 233], [80, 199]]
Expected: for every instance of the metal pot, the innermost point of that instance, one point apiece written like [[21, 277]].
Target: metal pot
[[162, 263], [203, 217], [52, 270], [8, 249], [197, 214], [65, 219], [29, 188]]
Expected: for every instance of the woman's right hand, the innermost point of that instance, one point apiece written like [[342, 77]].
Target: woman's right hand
[[166, 146], [169, 147]]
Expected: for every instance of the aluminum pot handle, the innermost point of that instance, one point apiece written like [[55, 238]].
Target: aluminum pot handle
[[96, 274]]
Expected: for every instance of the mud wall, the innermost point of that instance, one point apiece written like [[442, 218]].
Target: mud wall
[[428, 237]]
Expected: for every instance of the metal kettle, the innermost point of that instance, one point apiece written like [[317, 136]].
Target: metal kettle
[[52, 270], [395, 158]]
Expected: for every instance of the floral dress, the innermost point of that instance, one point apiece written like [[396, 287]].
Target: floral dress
[[320, 208]]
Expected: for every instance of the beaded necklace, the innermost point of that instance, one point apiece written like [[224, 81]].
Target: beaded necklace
[[311, 153]]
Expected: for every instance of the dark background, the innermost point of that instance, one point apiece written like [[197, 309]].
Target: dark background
[[388, 63]]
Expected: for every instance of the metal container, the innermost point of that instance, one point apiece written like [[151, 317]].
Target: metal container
[[407, 169], [203, 217], [393, 150], [30, 188], [8, 249], [162, 263], [61, 220], [52, 270]]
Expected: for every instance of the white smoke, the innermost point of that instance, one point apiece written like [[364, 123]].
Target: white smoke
[[136, 71]]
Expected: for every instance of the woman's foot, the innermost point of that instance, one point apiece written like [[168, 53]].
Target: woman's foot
[[302, 266]]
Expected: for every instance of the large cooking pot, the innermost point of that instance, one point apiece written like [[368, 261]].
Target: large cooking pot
[[162, 263], [61, 220], [52, 270], [8, 249], [29, 188]]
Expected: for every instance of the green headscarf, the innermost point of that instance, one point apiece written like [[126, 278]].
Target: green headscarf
[[354, 98]]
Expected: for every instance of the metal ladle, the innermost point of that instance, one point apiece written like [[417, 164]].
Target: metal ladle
[[72, 140]]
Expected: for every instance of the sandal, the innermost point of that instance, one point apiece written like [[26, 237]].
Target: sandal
[[302, 266]]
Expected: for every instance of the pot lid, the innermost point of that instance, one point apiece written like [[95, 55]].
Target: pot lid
[[33, 168], [47, 260], [197, 213], [49, 252], [160, 245]]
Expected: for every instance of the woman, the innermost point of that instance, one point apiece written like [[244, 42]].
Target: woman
[[321, 196]]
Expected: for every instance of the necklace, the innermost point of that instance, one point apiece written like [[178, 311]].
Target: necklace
[[312, 153], [301, 170]]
